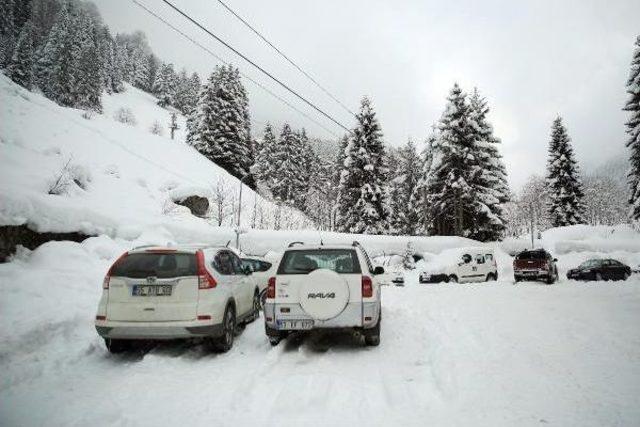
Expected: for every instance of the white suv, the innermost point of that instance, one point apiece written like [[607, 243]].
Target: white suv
[[324, 287], [161, 293]]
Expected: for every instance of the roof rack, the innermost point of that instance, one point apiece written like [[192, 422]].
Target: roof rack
[[292, 244]]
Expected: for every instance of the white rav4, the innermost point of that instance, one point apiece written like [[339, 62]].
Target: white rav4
[[162, 293], [324, 287]]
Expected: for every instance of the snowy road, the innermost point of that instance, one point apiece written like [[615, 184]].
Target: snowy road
[[485, 354]]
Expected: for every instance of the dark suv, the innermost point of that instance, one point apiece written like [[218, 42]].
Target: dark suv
[[535, 264]]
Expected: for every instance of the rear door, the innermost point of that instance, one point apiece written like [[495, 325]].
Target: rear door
[[224, 266], [245, 286], [154, 286]]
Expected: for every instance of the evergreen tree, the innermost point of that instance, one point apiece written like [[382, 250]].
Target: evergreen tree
[[451, 197], [419, 200], [20, 69], [221, 128], [633, 130], [287, 165], [563, 180], [8, 31], [265, 170], [165, 85], [491, 187], [404, 219], [87, 73], [139, 68], [362, 197]]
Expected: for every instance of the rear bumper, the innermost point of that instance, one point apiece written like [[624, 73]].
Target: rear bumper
[[157, 330], [354, 316], [531, 274], [433, 278]]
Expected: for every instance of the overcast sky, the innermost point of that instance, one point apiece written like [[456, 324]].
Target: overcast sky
[[532, 60]]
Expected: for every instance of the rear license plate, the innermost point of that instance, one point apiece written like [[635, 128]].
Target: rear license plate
[[295, 324], [151, 290]]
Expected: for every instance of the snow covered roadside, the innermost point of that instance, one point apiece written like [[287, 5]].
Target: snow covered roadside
[[483, 354]]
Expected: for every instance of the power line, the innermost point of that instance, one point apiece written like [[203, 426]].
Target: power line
[[265, 72], [289, 60], [284, 101]]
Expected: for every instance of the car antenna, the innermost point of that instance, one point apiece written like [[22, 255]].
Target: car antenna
[[227, 245]]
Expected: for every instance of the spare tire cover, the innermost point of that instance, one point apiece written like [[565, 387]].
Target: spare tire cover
[[324, 294]]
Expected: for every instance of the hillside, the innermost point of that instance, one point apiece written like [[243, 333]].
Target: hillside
[[119, 179]]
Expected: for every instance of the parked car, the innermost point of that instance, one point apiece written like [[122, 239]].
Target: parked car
[[600, 269], [262, 269], [324, 288], [394, 268], [163, 293], [535, 264], [462, 265]]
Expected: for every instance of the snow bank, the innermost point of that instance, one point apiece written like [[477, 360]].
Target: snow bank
[[110, 177]]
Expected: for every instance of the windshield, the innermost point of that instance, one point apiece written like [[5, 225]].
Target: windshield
[[162, 266], [590, 263], [532, 255], [343, 261]]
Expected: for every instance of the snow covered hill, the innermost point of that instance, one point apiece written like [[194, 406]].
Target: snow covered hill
[[117, 179]]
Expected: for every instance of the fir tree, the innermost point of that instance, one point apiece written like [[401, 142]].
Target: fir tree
[[265, 170], [220, 129], [490, 186], [450, 188], [362, 197], [404, 219], [8, 31], [287, 165], [563, 180], [633, 130], [419, 200], [165, 85], [139, 68], [86, 71], [20, 69]]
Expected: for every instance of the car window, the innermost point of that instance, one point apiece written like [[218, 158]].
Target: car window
[[223, 264], [466, 258], [160, 265], [343, 261], [488, 257], [479, 259], [236, 262], [533, 255], [264, 266], [615, 263]]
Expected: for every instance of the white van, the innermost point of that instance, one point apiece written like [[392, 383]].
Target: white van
[[463, 265]]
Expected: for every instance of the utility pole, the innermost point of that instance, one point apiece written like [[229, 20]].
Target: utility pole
[[238, 231], [174, 124]]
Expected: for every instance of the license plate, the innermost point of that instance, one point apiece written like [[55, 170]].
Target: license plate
[[295, 324], [151, 290]]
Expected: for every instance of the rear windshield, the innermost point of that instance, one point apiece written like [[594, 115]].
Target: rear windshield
[[532, 255], [162, 266], [343, 261]]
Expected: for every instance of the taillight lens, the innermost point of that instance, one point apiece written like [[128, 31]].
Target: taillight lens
[[367, 287], [271, 288], [205, 279], [107, 277]]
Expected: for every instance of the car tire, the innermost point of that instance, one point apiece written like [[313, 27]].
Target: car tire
[[372, 336], [625, 276], [117, 346], [274, 335], [453, 279], [551, 279], [490, 277], [224, 343]]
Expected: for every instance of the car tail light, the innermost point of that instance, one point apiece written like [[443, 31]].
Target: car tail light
[[271, 288], [367, 287], [107, 277], [204, 317], [205, 279], [101, 317]]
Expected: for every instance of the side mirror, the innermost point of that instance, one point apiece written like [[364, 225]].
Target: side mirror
[[247, 270], [378, 270], [555, 260]]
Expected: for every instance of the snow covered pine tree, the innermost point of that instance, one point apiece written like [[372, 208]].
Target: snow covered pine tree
[[221, 127], [404, 220], [563, 180], [362, 193], [633, 129], [20, 68]]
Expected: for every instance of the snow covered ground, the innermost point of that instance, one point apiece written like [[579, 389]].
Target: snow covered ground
[[480, 354]]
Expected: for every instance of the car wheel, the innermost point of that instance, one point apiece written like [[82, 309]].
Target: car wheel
[[551, 279], [372, 336], [225, 342], [453, 278], [625, 276], [598, 277], [117, 346]]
